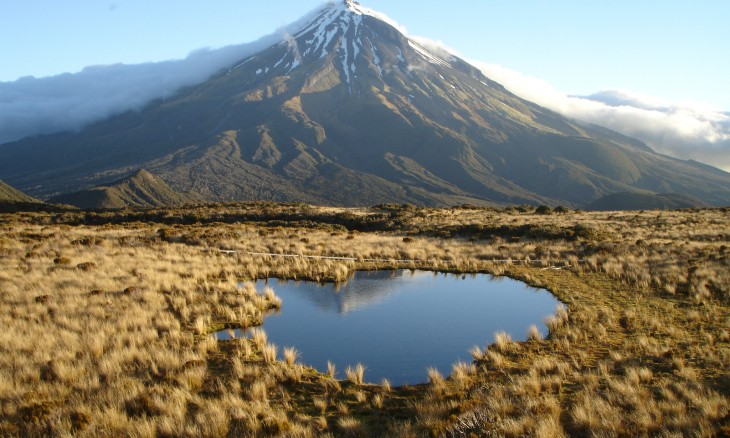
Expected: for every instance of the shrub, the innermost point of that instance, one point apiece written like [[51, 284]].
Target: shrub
[[544, 209]]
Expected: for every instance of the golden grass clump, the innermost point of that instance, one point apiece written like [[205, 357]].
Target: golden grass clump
[[502, 341], [434, 375], [533, 334], [290, 355], [355, 374], [385, 385], [268, 352]]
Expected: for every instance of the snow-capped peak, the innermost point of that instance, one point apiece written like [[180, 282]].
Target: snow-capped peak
[[352, 4], [355, 7], [335, 9], [343, 31], [362, 10], [337, 17]]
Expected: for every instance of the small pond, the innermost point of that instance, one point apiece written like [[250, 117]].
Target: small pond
[[400, 323]]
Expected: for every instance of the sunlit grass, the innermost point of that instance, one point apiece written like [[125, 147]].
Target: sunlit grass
[[355, 374], [107, 329]]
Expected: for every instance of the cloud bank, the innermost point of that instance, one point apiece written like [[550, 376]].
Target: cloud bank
[[682, 130], [70, 101]]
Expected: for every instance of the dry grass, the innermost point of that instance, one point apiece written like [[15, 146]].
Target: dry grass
[[107, 322], [385, 384], [355, 374], [533, 334], [290, 355]]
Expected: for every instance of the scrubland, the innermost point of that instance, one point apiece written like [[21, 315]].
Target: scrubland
[[107, 322]]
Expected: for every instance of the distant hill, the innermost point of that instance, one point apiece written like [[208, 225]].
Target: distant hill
[[9, 194], [644, 201], [141, 189], [14, 200]]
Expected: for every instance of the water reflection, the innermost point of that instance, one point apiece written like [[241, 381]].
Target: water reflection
[[366, 290], [399, 323]]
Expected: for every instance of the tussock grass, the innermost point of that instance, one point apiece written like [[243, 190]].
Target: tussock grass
[[477, 353], [385, 385], [350, 426], [108, 320], [533, 333], [355, 374], [290, 355], [259, 336], [378, 400], [268, 352], [502, 341], [320, 404], [436, 380]]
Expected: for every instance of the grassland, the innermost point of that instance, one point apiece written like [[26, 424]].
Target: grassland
[[107, 320]]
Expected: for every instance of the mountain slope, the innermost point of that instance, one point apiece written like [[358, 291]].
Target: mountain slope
[[141, 189], [9, 194], [644, 201], [350, 111], [15, 200]]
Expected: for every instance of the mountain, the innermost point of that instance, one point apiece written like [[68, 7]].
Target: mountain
[[350, 111], [368, 291], [644, 201], [141, 189]]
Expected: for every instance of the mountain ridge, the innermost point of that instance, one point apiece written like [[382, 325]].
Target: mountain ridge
[[13, 200], [10, 194], [140, 189], [349, 111]]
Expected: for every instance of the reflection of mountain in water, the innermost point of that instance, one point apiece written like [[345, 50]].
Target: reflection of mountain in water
[[365, 289]]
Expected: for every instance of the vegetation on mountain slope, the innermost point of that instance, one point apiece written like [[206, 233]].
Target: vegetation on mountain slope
[[9, 194], [644, 201], [14, 200], [141, 189]]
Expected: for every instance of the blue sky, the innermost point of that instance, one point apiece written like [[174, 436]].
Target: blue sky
[[666, 48]]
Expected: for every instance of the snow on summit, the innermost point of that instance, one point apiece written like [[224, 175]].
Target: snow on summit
[[345, 19]]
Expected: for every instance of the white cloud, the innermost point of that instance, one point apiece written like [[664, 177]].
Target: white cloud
[[683, 130], [31, 106], [68, 101]]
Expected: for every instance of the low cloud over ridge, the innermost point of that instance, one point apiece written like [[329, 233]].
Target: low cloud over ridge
[[69, 101], [686, 131], [66, 102]]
